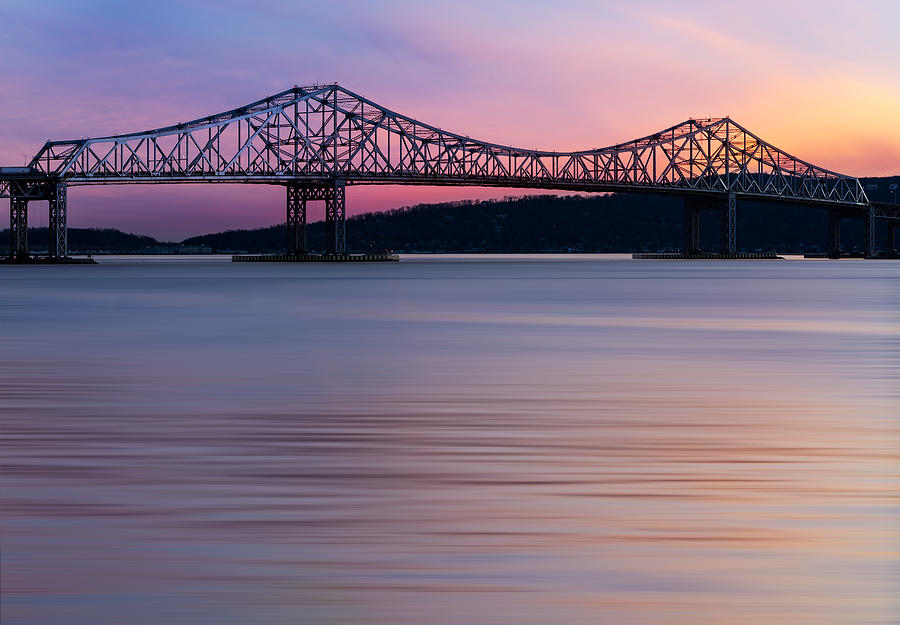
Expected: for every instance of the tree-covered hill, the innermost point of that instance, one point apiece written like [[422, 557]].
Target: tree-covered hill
[[87, 240], [548, 223]]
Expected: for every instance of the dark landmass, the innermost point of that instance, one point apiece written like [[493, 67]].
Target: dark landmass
[[879, 189], [87, 240], [529, 224], [549, 223]]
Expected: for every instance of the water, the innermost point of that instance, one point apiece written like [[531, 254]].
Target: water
[[451, 440]]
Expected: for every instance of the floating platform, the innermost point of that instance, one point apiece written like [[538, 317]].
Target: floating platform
[[314, 258], [705, 256], [44, 260]]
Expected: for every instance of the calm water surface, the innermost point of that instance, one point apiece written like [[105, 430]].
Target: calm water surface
[[451, 440]]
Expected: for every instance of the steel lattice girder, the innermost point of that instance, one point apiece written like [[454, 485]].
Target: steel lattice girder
[[886, 211], [323, 133], [30, 189]]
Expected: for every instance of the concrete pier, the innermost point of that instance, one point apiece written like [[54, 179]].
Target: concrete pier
[[705, 256], [314, 258]]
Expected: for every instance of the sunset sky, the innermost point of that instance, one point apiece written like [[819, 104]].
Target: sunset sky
[[819, 79]]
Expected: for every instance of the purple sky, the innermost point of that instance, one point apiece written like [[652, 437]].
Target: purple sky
[[819, 79]]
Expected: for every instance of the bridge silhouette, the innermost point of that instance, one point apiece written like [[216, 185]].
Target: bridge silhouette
[[317, 140]]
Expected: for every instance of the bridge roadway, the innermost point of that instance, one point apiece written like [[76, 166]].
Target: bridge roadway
[[317, 140]]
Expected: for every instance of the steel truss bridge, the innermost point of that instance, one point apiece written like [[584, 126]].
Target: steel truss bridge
[[316, 140]]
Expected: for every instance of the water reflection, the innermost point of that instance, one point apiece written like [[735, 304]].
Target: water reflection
[[450, 441]]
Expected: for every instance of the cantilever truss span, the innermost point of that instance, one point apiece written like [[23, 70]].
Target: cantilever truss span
[[316, 140], [327, 132]]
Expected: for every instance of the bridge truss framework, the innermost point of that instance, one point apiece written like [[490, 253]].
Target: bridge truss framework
[[317, 140]]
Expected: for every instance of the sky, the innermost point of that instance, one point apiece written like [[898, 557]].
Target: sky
[[818, 79]]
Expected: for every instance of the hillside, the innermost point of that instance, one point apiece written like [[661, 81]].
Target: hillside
[[548, 223]]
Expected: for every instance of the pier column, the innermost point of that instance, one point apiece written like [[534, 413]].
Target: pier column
[[335, 237], [59, 235], [727, 238], [892, 238], [834, 234], [691, 226], [870, 233], [296, 219], [18, 229]]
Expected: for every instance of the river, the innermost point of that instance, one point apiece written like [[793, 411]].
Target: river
[[450, 439]]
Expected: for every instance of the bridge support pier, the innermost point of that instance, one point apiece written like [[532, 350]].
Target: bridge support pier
[[296, 219], [870, 233], [59, 234], [835, 216], [691, 226], [18, 229], [693, 206], [335, 230], [834, 233], [892, 238], [727, 242], [298, 194]]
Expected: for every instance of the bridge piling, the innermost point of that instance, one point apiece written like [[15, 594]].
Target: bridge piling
[[296, 219], [892, 239], [58, 246], [18, 229]]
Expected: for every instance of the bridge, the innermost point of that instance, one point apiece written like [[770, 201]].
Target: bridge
[[317, 140]]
